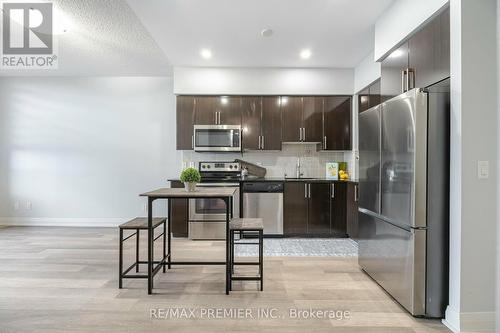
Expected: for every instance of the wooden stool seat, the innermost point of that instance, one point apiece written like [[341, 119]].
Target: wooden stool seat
[[141, 223], [246, 224]]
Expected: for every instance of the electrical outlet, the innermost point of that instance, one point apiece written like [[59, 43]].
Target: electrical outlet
[[29, 205], [16, 205]]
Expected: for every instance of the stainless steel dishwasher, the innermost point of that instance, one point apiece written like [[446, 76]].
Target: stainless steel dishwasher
[[264, 199]]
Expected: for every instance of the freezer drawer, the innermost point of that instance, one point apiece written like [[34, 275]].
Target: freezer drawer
[[395, 259]]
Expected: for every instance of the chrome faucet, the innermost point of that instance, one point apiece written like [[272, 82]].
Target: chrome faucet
[[297, 170]]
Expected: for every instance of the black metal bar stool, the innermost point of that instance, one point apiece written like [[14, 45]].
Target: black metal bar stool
[[240, 226], [137, 224]]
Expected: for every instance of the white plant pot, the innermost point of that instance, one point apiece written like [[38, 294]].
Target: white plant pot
[[190, 187]]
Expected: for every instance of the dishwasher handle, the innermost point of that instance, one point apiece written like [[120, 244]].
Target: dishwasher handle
[[263, 187]]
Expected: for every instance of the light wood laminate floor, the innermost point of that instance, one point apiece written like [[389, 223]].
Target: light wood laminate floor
[[65, 280]]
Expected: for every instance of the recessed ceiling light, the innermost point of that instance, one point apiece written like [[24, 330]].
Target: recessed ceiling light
[[266, 32], [206, 53], [305, 54]]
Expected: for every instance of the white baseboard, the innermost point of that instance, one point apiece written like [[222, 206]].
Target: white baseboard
[[452, 319], [465, 322], [61, 221]]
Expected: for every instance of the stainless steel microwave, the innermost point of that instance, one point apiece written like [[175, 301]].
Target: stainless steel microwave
[[217, 138]]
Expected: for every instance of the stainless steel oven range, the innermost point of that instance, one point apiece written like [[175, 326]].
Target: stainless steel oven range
[[207, 216]]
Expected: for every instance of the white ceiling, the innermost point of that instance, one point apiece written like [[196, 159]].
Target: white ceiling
[[338, 32], [104, 38]]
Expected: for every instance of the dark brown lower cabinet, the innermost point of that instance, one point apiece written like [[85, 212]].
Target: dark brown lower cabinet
[[352, 210], [315, 209], [180, 213], [339, 209], [295, 208], [318, 222]]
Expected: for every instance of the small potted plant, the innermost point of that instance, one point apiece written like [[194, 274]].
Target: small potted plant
[[190, 177]]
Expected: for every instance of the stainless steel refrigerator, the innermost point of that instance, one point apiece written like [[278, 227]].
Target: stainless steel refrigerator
[[404, 198]]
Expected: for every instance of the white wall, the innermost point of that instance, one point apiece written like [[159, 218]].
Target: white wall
[[400, 20], [473, 202], [82, 149], [263, 81], [366, 72]]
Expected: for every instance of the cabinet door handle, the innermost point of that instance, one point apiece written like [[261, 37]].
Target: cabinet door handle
[[259, 142], [324, 142], [309, 191], [403, 80], [304, 131], [300, 133], [411, 78], [262, 147], [305, 190], [333, 190], [192, 141], [215, 117], [219, 118], [356, 198]]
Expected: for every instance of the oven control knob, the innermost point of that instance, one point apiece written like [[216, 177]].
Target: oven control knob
[[230, 166], [208, 166]]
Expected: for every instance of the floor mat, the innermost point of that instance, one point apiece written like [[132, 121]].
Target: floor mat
[[301, 247]]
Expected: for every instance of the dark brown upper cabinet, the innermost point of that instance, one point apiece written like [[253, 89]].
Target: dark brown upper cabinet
[[218, 110], [312, 119], [422, 60], [261, 122], [267, 121], [185, 120], [369, 97], [251, 118], [291, 112], [271, 123], [374, 94], [302, 118], [364, 100], [228, 109], [337, 123], [205, 110], [430, 51], [393, 80]]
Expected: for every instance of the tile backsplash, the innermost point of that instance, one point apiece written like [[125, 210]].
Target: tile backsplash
[[281, 163]]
